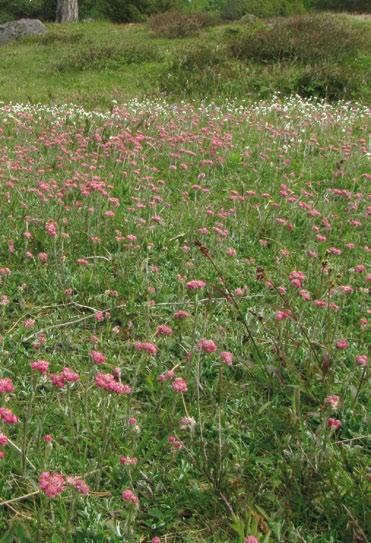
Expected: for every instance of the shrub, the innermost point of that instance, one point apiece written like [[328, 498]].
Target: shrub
[[105, 56], [196, 71], [307, 38], [331, 82], [176, 24]]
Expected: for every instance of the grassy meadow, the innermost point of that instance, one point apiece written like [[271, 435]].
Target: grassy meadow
[[183, 293]]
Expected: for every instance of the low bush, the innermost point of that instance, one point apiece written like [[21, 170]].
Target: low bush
[[196, 71], [177, 24], [307, 38], [105, 56]]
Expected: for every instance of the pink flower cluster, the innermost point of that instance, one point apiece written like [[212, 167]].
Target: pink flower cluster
[[54, 483], [146, 347], [108, 382], [130, 497]]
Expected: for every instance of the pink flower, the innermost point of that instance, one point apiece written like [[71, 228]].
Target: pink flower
[[227, 358], [43, 257], [251, 539], [79, 484], [333, 401], [362, 360], [51, 228], [333, 423], [6, 386], [207, 345], [58, 380], [2, 454], [175, 443], [69, 375], [97, 357], [195, 284], [51, 483], [181, 314], [3, 439], [342, 344], [129, 496], [48, 438], [179, 385], [187, 422], [8, 416], [128, 460], [304, 294], [296, 278], [29, 323], [282, 314], [155, 540], [82, 262], [108, 382], [164, 330], [99, 316], [41, 366], [166, 376], [147, 347]]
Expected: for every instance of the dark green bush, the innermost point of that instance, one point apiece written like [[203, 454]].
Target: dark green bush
[[307, 38], [331, 82], [176, 24], [360, 6]]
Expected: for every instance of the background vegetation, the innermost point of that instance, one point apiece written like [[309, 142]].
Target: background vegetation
[[191, 56], [138, 10]]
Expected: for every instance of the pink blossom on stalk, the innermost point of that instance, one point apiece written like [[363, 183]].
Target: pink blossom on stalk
[[187, 422], [58, 380], [29, 323], [48, 438], [175, 443], [333, 401], [207, 345], [51, 228], [6, 386], [79, 484], [43, 257], [195, 284], [147, 347], [51, 483], [227, 358], [70, 375], [108, 382], [128, 460], [362, 360], [164, 330], [129, 496], [333, 423], [97, 357], [179, 385], [251, 539], [342, 344], [166, 376], [155, 540], [181, 314], [282, 314], [3, 439], [41, 366], [8, 416]]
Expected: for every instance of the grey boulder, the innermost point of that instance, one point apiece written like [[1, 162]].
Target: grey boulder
[[22, 28]]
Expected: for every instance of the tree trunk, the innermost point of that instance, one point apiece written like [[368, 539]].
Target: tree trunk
[[67, 11]]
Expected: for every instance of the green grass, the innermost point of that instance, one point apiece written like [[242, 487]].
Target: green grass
[[87, 63], [255, 186]]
